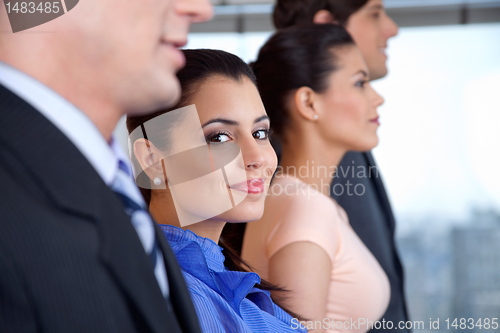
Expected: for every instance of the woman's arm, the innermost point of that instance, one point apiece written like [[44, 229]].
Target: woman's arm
[[304, 268]]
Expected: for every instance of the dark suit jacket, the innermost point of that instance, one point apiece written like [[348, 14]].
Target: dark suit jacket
[[70, 259], [370, 215]]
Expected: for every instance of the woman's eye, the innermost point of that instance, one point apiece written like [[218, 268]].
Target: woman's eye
[[219, 138], [262, 134], [361, 83]]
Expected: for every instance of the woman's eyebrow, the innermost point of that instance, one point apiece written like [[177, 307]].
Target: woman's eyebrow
[[232, 122], [362, 72], [264, 117], [221, 120], [377, 7]]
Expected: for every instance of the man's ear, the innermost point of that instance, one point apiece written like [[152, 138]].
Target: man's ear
[[305, 99], [323, 16], [149, 157]]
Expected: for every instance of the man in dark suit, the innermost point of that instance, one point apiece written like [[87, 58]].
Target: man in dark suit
[[358, 187], [78, 250]]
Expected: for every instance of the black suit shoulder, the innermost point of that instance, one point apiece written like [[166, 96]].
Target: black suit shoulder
[[51, 278], [70, 259]]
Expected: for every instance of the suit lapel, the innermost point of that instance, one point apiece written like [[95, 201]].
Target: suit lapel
[[71, 183], [379, 185], [382, 194], [181, 300], [133, 270]]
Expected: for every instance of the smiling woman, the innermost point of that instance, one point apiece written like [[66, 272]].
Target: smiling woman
[[210, 164]]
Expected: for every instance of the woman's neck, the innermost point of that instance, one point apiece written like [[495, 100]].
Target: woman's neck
[[163, 211], [211, 229], [312, 161]]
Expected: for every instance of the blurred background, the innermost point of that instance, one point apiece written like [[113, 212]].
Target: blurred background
[[439, 152]]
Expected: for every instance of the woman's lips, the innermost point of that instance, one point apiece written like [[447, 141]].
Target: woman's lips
[[251, 186], [375, 121]]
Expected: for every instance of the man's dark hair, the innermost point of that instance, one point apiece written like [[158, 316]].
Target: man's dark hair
[[288, 13]]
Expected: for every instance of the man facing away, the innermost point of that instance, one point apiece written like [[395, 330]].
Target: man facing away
[[368, 207], [78, 250]]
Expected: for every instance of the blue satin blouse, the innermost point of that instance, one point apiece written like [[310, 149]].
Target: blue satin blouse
[[225, 301]]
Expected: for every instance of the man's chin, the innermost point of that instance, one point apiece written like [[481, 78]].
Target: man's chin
[[169, 95], [172, 94], [159, 100], [378, 73]]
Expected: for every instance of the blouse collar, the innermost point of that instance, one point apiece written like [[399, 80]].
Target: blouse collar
[[203, 258], [180, 238]]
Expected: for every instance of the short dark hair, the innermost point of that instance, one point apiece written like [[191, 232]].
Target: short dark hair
[[288, 13], [300, 56]]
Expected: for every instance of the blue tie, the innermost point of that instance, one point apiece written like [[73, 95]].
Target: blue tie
[[135, 211], [126, 189]]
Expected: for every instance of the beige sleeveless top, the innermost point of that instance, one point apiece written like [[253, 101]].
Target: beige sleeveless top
[[294, 212]]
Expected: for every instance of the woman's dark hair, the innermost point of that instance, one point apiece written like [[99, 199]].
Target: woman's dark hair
[[288, 13], [202, 64], [299, 56]]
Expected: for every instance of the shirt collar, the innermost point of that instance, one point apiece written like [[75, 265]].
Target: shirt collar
[[211, 251], [202, 258], [77, 127], [123, 161]]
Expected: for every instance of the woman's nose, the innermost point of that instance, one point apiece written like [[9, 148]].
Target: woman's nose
[[377, 100], [252, 155]]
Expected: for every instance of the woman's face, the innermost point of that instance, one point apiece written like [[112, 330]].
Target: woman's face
[[349, 105], [240, 157]]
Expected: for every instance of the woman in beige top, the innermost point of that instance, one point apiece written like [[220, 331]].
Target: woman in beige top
[[315, 88]]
